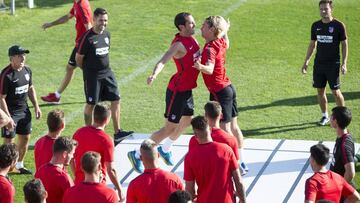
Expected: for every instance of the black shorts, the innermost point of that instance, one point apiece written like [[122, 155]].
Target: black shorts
[[102, 89], [72, 60], [227, 99], [22, 121], [178, 104], [326, 73]]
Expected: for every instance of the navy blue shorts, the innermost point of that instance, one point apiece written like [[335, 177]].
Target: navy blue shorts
[[22, 121]]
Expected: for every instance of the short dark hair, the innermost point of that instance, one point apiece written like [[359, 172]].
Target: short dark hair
[[320, 153], [326, 2], [55, 119], [342, 115], [8, 154], [212, 109], [180, 196], [90, 161], [180, 19], [99, 11], [62, 144], [101, 112], [34, 191], [199, 123]]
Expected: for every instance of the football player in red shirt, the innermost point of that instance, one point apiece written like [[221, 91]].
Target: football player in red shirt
[[82, 12], [184, 50], [325, 184], [53, 174], [159, 184], [213, 167], [213, 115], [212, 66], [91, 190], [44, 146], [94, 138]]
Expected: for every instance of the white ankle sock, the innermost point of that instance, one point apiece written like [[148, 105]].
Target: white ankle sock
[[167, 145], [325, 114], [57, 94], [137, 153], [19, 164], [241, 154]]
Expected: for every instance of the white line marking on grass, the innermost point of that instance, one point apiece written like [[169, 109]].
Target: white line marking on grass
[[145, 65], [233, 7]]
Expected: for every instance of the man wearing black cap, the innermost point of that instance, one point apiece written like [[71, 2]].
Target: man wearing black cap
[[15, 87]]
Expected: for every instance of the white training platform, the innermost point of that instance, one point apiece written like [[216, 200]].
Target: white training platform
[[278, 168]]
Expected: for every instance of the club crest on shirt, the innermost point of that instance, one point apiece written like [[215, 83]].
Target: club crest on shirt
[[331, 29], [27, 77], [106, 40]]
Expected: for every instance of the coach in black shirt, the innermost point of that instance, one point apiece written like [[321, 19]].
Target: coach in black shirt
[[15, 87], [99, 81], [327, 34]]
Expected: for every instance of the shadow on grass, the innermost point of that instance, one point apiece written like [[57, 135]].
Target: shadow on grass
[[279, 129], [59, 105], [300, 101]]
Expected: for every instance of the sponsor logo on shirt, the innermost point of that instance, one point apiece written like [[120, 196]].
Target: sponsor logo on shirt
[[22, 89], [331, 29], [324, 39], [102, 51]]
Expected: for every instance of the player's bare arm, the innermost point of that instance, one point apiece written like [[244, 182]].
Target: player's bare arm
[[208, 68], [3, 106], [88, 26], [114, 179], [4, 118], [349, 171], [344, 52], [190, 187], [61, 20], [32, 97], [79, 60], [309, 53], [240, 191], [176, 50]]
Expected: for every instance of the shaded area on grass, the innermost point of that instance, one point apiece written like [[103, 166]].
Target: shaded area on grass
[[300, 101], [279, 129]]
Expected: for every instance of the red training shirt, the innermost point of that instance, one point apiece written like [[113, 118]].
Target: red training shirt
[[86, 192], [185, 77], [7, 190], [91, 139], [55, 180], [154, 185], [43, 151], [329, 186], [215, 52], [210, 165], [82, 12], [221, 136]]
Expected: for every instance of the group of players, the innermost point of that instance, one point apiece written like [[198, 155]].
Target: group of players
[[93, 157]]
